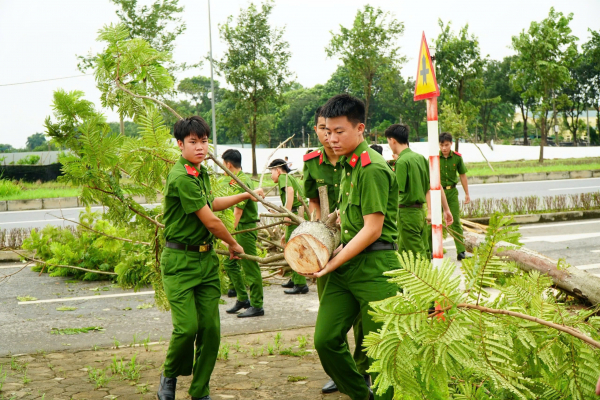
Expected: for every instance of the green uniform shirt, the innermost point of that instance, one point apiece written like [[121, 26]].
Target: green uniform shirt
[[412, 173], [290, 181], [367, 190], [319, 171], [186, 192], [249, 207], [450, 168]]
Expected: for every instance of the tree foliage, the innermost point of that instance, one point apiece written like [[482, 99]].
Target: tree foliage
[[517, 345], [369, 51]]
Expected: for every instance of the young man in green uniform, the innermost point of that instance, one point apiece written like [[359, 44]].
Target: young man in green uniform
[[289, 191], [368, 205], [412, 174], [245, 217], [451, 166], [321, 168], [189, 264]]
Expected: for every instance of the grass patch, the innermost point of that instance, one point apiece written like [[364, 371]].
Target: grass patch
[[296, 378], [533, 166], [290, 352], [17, 190], [66, 308], [76, 331]]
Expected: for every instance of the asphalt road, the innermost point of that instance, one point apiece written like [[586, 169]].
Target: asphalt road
[[27, 326], [40, 218]]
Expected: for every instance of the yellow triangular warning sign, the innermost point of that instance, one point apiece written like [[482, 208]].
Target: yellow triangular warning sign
[[426, 85]]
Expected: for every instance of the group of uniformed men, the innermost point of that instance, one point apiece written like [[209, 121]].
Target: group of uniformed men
[[380, 208]]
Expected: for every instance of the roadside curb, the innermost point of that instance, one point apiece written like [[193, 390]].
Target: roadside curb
[[546, 217], [10, 256], [534, 176], [54, 203]]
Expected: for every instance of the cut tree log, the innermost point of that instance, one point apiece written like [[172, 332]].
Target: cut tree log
[[578, 283], [312, 243]]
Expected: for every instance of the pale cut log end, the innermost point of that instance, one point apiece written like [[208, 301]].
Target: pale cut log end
[[305, 254]]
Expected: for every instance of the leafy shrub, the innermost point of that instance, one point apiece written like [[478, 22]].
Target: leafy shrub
[[8, 188], [31, 159]]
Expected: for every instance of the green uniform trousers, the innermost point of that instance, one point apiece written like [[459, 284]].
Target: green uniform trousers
[[191, 283], [411, 231], [298, 279], [346, 295], [360, 357], [454, 205], [251, 269]]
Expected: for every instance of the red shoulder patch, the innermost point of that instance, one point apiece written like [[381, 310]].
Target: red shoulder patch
[[311, 155], [232, 182], [458, 154], [365, 159], [353, 160], [191, 170]]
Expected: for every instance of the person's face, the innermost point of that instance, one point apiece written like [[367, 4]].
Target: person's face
[[343, 136], [393, 145], [194, 149], [275, 174], [321, 131], [445, 147]]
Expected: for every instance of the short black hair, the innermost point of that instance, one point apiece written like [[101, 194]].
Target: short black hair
[[318, 113], [192, 125], [279, 163], [445, 137], [345, 105], [377, 148], [234, 157], [398, 132]]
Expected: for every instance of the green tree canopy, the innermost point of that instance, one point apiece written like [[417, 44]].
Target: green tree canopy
[[35, 140]]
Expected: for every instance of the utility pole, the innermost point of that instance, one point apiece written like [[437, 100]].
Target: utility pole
[[303, 136], [212, 86]]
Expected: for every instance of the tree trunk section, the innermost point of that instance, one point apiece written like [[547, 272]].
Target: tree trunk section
[[525, 138], [543, 141], [572, 280], [311, 245], [122, 125]]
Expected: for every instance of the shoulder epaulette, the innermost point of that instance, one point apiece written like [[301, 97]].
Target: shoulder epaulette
[[232, 182], [191, 170], [365, 159], [458, 154], [311, 155]]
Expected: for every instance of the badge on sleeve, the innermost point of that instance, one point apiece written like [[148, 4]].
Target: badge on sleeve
[[191, 171], [232, 182]]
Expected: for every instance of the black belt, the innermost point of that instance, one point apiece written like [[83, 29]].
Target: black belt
[[416, 205], [377, 246], [200, 249], [449, 187]]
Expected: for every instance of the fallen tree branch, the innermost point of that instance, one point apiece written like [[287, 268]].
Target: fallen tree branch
[[282, 215], [260, 260], [272, 243], [258, 228], [64, 266]]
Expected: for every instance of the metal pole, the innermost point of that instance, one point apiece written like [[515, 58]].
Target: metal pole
[[212, 86]]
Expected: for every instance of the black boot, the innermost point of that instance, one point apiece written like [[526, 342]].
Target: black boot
[[201, 398], [288, 285], [367, 380], [231, 293], [252, 312], [166, 388], [330, 387], [238, 306], [297, 289], [461, 256]]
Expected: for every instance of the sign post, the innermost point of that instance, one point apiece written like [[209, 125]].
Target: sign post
[[426, 88]]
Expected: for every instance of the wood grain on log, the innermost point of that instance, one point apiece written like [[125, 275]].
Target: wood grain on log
[[310, 246]]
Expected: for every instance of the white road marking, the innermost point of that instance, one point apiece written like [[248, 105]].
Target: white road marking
[[573, 188], [595, 251], [36, 220], [560, 238], [87, 298], [588, 266], [597, 221], [12, 266]]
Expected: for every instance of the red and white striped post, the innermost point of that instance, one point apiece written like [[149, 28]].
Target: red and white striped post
[[435, 189]]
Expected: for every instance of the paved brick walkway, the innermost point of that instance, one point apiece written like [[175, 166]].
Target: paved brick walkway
[[245, 370]]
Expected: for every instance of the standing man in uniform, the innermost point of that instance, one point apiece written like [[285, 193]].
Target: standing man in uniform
[[189, 264], [245, 217], [368, 205], [321, 168], [412, 174], [451, 166], [289, 191]]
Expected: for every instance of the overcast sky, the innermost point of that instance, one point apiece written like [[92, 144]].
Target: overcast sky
[[39, 39]]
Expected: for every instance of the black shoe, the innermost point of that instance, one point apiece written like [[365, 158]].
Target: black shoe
[[371, 395], [288, 285], [367, 380], [238, 306], [252, 312], [330, 387], [166, 388], [461, 256], [231, 293], [201, 398], [297, 290]]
